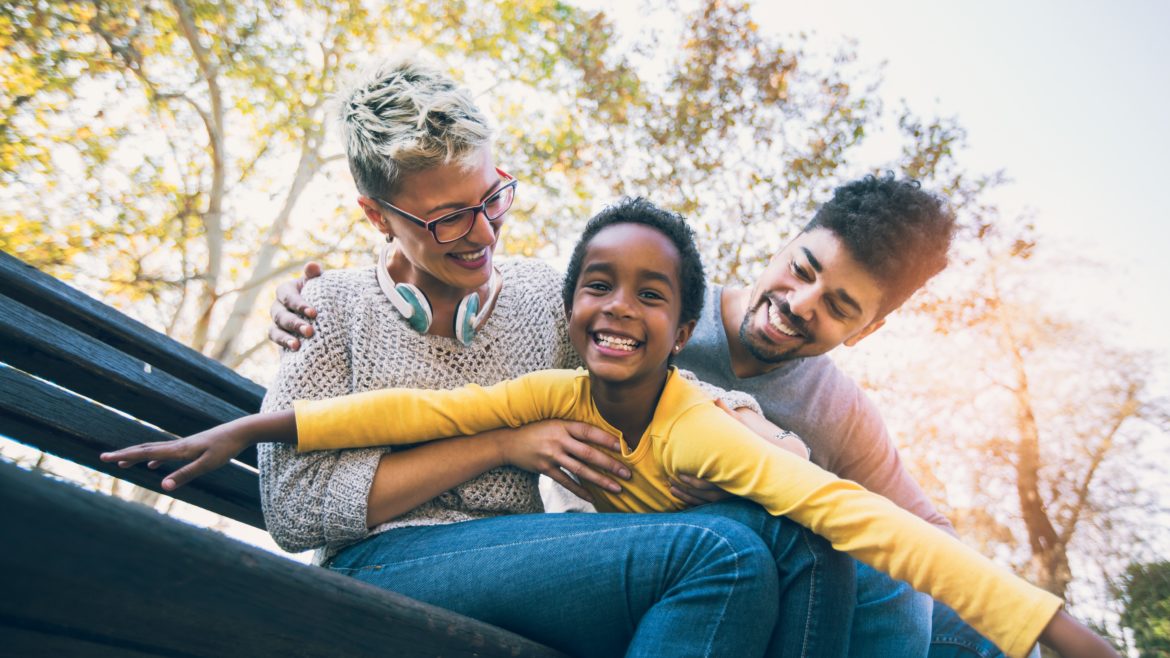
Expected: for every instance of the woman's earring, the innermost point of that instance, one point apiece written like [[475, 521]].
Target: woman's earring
[[677, 348]]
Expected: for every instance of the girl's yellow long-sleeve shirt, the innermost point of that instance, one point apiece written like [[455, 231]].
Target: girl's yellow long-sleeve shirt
[[688, 434]]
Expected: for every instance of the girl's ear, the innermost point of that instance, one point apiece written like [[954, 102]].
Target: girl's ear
[[682, 335]]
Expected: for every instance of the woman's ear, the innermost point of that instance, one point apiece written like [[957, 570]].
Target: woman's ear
[[376, 217], [682, 334]]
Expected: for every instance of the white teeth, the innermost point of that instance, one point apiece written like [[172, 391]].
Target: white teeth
[[470, 257], [616, 342], [777, 322]]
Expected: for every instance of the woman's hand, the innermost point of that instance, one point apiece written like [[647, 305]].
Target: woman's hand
[[209, 449], [693, 491], [558, 447], [291, 316]]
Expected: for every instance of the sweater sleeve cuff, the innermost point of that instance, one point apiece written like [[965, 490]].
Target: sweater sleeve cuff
[[346, 499]]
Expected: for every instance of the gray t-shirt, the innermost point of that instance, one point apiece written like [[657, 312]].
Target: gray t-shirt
[[824, 406]]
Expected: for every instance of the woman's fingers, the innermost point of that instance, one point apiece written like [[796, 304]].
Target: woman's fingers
[[563, 479], [592, 434]]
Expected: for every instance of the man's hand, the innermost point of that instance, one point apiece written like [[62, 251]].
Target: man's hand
[[695, 492], [558, 447], [291, 317]]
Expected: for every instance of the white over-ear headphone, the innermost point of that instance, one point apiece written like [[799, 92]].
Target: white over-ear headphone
[[409, 301]]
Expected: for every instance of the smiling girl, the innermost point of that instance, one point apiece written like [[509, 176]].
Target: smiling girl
[[632, 293]]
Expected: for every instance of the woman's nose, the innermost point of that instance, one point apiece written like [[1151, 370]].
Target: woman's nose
[[482, 231]]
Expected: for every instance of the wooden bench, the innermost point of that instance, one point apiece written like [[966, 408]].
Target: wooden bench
[[87, 574]]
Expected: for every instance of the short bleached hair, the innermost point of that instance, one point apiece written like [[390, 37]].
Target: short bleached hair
[[399, 116]]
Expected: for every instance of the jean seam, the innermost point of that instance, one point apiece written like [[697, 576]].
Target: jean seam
[[812, 593], [960, 642], [727, 597]]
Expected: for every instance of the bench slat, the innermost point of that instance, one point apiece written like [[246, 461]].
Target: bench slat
[[52, 350], [123, 575], [64, 424], [57, 300]]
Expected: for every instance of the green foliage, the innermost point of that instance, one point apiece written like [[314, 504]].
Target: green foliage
[[1144, 591]]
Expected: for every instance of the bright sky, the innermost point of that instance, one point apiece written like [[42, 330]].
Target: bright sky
[[1070, 99]]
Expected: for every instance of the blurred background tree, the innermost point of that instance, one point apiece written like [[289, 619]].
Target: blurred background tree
[[1144, 591], [173, 157]]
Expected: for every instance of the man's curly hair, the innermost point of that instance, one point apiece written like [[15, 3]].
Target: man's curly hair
[[692, 280], [897, 231]]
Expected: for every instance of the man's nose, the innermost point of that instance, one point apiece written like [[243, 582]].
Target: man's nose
[[802, 301]]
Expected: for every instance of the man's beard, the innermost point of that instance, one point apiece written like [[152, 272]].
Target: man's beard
[[758, 348]]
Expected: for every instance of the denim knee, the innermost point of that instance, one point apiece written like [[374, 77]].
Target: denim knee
[[720, 593], [726, 547]]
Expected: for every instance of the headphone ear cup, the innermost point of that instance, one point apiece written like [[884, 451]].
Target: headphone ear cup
[[420, 319], [465, 317]]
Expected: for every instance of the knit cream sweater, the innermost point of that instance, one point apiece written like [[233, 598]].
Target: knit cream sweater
[[319, 500]]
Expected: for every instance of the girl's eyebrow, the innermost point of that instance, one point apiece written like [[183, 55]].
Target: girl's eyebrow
[[605, 267]]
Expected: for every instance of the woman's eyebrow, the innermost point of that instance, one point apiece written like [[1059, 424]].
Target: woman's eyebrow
[[459, 205]]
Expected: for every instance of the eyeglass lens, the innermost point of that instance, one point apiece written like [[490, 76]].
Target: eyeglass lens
[[457, 225]]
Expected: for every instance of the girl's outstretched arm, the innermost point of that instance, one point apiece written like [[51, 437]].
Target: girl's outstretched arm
[[209, 449], [1072, 639]]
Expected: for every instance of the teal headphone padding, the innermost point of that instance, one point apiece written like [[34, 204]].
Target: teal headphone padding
[[465, 317], [420, 318]]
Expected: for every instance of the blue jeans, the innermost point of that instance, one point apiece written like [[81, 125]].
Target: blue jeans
[[816, 582], [953, 638], [596, 584], [891, 619]]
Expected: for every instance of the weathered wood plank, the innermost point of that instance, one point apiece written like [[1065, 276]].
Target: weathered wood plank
[[64, 424], [57, 300], [58, 643], [52, 350], [132, 576]]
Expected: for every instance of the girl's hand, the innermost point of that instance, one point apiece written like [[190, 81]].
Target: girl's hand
[[206, 451], [558, 447], [1072, 639]]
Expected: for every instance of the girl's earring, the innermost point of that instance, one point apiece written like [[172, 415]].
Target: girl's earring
[[677, 348]]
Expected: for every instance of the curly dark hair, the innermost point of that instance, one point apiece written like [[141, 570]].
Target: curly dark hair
[[692, 279], [897, 231]]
